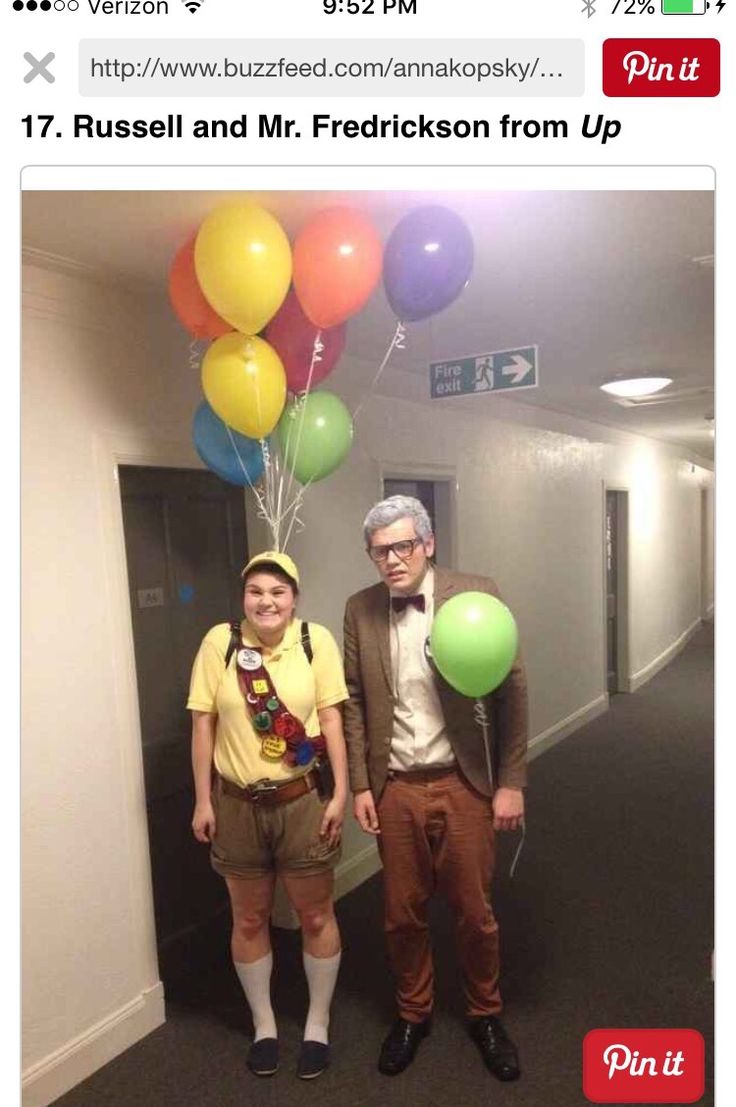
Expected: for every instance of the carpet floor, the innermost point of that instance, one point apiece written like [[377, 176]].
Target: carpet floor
[[608, 922]]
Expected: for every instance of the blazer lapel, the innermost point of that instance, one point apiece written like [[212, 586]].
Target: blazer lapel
[[381, 631]]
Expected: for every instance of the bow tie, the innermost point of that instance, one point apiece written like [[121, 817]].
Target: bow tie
[[400, 603]]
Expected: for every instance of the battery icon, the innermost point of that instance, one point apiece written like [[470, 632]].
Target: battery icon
[[683, 7]]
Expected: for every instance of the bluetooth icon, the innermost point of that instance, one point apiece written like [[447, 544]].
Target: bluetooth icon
[[588, 8]]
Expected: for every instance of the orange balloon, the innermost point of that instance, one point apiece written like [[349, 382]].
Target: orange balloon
[[187, 298], [337, 264]]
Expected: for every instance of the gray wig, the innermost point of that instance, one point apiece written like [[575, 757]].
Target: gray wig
[[397, 507]]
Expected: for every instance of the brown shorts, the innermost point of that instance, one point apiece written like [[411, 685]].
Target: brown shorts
[[253, 840]]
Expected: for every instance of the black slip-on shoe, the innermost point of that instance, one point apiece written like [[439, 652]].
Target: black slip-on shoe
[[496, 1048], [314, 1057], [263, 1057], [400, 1045]]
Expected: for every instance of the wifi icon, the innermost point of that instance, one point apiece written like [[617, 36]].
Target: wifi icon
[[192, 5]]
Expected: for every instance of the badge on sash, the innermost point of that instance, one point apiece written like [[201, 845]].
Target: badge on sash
[[249, 660], [273, 748], [286, 726]]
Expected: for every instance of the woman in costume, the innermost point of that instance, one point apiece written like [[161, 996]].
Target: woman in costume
[[265, 699]]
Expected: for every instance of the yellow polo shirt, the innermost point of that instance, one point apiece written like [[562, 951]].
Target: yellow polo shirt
[[302, 688]]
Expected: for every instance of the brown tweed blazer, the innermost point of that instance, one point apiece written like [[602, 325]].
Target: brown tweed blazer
[[368, 714]]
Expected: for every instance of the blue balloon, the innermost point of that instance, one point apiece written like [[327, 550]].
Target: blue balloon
[[231, 455], [427, 262]]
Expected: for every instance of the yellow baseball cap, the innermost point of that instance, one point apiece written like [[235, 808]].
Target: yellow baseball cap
[[274, 557]]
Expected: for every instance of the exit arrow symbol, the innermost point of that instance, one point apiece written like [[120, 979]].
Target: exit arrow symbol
[[520, 368]]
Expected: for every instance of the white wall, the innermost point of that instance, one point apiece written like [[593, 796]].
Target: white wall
[[107, 379], [104, 374]]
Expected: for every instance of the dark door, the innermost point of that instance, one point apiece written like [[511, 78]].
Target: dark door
[[185, 544]]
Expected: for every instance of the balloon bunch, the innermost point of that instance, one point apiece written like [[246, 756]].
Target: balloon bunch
[[275, 317]]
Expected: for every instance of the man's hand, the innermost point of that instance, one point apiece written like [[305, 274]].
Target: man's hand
[[508, 808], [365, 812]]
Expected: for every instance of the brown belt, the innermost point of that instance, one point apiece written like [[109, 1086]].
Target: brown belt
[[269, 793], [419, 776]]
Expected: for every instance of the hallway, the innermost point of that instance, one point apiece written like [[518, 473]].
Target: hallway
[[607, 923]]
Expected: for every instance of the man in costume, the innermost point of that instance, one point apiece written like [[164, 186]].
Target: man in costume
[[420, 779]]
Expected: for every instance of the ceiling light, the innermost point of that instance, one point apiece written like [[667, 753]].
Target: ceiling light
[[636, 386]]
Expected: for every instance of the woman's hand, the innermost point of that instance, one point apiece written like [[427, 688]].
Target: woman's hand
[[332, 820], [203, 822]]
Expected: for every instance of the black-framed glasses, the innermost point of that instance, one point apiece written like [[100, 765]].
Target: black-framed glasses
[[403, 549]]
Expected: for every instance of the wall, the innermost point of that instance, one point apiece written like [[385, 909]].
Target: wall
[[107, 380], [105, 376]]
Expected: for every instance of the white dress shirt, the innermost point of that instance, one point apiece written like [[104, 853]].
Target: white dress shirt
[[419, 739]]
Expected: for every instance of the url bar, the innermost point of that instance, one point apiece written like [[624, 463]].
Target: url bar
[[335, 67]]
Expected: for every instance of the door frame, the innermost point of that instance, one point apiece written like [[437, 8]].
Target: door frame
[[394, 470], [110, 452], [623, 669]]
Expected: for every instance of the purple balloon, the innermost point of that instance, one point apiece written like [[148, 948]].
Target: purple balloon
[[427, 262]]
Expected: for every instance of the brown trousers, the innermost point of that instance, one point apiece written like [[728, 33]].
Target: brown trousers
[[437, 835]]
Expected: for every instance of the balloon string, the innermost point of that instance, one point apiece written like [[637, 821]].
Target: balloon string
[[481, 717], [519, 848], [317, 349], [294, 509], [195, 354], [397, 343], [258, 495], [266, 508], [268, 480], [275, 470]]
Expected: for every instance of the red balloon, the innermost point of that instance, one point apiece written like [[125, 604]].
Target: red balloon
[[292, 336], [187, 298], [337, 264]]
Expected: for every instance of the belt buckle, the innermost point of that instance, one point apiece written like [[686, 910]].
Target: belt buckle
[[261, 787]]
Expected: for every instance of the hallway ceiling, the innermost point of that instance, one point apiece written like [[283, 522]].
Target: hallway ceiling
[[601, 282]]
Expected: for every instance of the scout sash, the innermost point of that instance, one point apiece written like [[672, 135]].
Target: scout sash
[[282, 735]]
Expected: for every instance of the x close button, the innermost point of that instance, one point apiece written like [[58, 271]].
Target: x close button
[[38, 68]]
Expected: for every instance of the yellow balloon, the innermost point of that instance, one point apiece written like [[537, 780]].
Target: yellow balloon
[[242, 259], [245, 383]]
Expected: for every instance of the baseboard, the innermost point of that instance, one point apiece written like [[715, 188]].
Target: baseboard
[[650, 670], [352, 872], [565, 727], [79, 1058]]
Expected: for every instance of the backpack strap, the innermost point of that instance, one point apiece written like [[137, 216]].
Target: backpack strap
[[307, 642], [234, 640]]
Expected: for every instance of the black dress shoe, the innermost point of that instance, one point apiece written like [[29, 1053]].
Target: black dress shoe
[[263, 1057], [400, 1045], [496, 1048]]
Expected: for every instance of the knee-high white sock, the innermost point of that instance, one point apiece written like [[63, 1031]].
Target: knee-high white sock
[[321, 977], [255, 976]]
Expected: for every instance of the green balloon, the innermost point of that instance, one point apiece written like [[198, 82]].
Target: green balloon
[[474, 642], [313, 448]]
